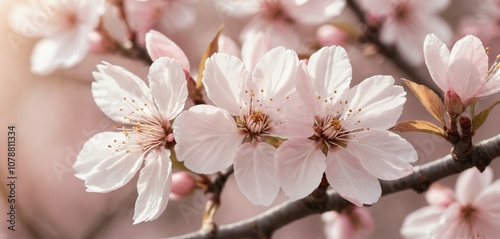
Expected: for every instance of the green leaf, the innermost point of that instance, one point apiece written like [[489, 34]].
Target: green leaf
[[480, 118], [419, 126], [212, 48], [429, 100]]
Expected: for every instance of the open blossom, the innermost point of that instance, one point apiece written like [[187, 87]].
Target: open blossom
[[472, 213], [276, 18], [464, 71], [407, 22], [348, 141], [350, 223], [63, 25], [250, 108], [109, 160]]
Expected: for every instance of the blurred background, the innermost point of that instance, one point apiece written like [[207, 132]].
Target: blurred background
[[55, 114]]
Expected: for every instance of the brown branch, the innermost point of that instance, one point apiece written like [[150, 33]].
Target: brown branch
[[263, 225], [372, 36]]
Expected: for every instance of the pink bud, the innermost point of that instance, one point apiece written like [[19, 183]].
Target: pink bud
[[183, 184], [439, 195], [328, 35], [97, 43], [453, 103], [158, 45], [355, 222]]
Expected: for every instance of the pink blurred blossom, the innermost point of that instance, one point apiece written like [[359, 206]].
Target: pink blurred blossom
[[350, 223], [183, 184], [158, 45], [329, 35], [473, 214], [407, 22]]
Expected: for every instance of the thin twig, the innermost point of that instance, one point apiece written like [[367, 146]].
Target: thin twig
[[263, 225]]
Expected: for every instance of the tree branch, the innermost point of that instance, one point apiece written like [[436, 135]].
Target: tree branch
[[263, 225]]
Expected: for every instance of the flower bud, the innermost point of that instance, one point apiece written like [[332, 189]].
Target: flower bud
[[97, 43], [453, 103], [439, 195], [328, 35], [183, 184]]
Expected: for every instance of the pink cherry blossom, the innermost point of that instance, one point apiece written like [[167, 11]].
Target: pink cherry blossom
[[158, 45], [251, 106], [474, 213], [349, 141], [277, 18], [63, 25], [407, 22], [109, 160], [464, 71], [350, 223]]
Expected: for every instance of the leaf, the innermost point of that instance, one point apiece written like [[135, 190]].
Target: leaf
[[480, 118], [419, 126], [429, 100], [211, 49]]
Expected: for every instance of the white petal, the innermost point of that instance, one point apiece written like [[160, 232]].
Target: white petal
[[225, 78], [254, 46], [176, 16], [300, 165], [21, 20], [348, 177], [470, 183], [492, 86], [294, 121], [239, 8], [384, 154], [431, 6], [159, 45], [279, 33], [375, 103], [104, 164], [330, 72], [465, 79], [274, 77], [314, 12], [116, 88], [155, 182], [470, 48], [168, 85], [207, 138], [421, 223], [437, 56], [62, 50], [487, 200], [255, 173], [450, 224], [228, 46]]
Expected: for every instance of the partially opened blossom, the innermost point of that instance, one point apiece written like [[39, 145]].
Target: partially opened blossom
[[349, 140], [63, 25], [277, 18], [473, 213], [350, 223], [109, 160], [407, 22], [251, 106], [463, 71]]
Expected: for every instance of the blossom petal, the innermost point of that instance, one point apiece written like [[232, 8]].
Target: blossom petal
[[300, 165], [421, 223], [294, 120], [330, 72], [487, 200], [451, 225], [437, 56], [470, 183], [464, 79], [119, 92], [348, 177], [155, 182], [177, 15], [228, 46], [225, 79], [105, 162], [255, 173], [239, 8], [431, 6], [313, 12], [492, 86], [254, 46], [168, 85], [384, 154], [207, 138], [158, 45], [376, 103], [471, 49]]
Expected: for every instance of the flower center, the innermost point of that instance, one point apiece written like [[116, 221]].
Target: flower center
[[468, 214], [255, 125], [401, 10], [273, 10]]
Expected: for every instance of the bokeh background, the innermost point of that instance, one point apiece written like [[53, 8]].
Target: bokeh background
[[55, 115]]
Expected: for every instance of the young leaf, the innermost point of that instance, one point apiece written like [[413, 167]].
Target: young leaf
[[211, 49], [480, 118], [429, 100], [419, 126]]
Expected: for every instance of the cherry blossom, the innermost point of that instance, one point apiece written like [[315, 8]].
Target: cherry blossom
[[251, 107], [109, 160], [464, 71], [63, 25], [349, 141], [277, 18], [158, 45], [350, 223], [472, 213], [407, 22]]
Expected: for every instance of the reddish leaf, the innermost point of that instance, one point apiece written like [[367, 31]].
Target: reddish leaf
[[211, 49], [429, 100], [480, 118], [419, 126]]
